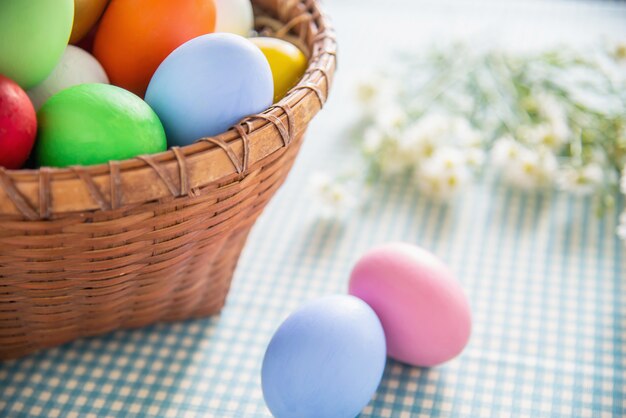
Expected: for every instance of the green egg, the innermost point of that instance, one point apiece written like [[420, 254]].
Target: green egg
[[33, 36], [96, 123]]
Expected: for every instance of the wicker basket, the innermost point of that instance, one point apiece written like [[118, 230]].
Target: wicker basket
[[84, 251]]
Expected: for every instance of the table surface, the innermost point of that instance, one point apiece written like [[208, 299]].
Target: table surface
[[545, 276]]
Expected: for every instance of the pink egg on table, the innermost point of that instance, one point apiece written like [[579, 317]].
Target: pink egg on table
[[423, 310]]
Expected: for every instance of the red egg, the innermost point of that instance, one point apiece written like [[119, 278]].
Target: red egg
[[18, 124]]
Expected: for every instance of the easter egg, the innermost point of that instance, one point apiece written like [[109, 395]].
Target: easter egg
[[86, 14], [423, 310], [33, 35], [95, 123], [234, 16], [286, 60], [325, 361], [207, 85], [76, 67], [18, 124], [134, 37]]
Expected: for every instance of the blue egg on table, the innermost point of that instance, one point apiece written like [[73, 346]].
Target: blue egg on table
[[207, 85], [325, 361]]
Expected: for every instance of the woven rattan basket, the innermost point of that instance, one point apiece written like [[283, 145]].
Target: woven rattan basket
[[84, 251]]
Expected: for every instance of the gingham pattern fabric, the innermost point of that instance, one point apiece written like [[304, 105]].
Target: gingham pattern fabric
[[546, 278]]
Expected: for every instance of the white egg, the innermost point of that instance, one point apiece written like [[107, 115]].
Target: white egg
[[76, 66], [234, 16]]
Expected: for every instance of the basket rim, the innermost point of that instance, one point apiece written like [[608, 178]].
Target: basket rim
[[39, 194]]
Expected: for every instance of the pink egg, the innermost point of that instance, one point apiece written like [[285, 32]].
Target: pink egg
[[423, 310]]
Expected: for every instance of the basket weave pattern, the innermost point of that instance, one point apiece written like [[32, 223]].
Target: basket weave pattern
[[87, 250]]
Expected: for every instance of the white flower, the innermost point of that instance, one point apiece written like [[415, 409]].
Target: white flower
[[551, 135], [581, 180], [420, 141], [390, 116], [599, 156], [619, 53], [332, 195], [392, 161], [383, 147], [523, 171], [475, 157], [434, 130], [505, 150], [368, 89], [553, 111], [396, 151], [621, 229], [433, 125], [444, 174], [550, 108], [522, 166], [373, 139], [540, 165], [376, 92]]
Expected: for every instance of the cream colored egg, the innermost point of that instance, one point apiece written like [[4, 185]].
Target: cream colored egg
[[77, 66], [234, 16]]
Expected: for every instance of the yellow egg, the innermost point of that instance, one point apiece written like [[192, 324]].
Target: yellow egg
[[287, 62], [86, 14]]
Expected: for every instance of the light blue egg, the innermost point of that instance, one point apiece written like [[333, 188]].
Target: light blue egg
[[207, 85], [325, 361]]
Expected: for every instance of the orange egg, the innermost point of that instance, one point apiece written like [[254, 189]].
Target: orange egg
[[135, 36]]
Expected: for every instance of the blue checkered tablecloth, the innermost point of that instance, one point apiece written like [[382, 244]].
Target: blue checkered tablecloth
[[546, 278]]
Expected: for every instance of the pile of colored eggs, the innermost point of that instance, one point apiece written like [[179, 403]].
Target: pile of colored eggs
[[328, 357], [178, 71]]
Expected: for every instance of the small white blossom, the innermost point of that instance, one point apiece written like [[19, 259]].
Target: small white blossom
[[368, 90], [420, 140], [384, 149], [390, 116], [433, 130], [621, 229], [434, 125], [444, 174], [619, 53], [332, 195], [475, 157], [524, 167], [376, 92], [373, 139], [550, 108], [505, 150], [392, 161], [581, 180], [551, 135]]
